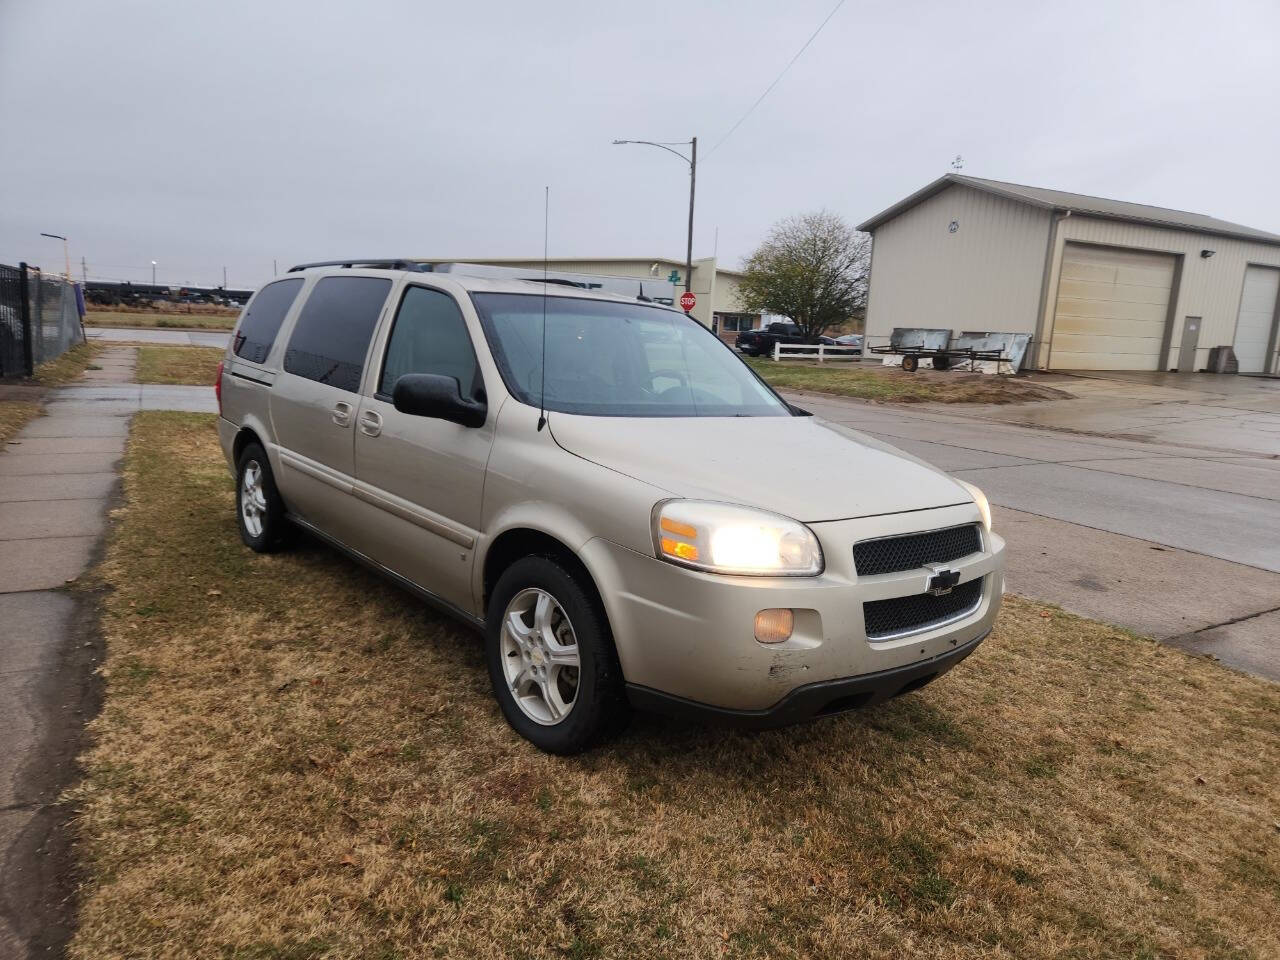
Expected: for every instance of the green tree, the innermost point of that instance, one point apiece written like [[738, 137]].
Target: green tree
[[812, 269]]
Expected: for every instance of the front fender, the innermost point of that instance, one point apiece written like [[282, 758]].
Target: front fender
[[535, 484]]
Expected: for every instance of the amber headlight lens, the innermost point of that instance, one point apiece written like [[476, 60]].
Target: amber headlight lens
[[980, 499], [723, 538]]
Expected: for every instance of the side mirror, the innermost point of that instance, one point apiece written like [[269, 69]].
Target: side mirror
[[439, 397]]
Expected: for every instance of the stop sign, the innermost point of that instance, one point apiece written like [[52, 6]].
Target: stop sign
[[687, 301]]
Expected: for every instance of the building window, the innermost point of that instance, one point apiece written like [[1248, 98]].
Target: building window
[[734, 322]]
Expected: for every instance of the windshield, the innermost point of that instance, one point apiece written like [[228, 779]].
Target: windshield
[[618, 360]]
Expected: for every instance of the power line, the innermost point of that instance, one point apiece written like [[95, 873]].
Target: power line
[[777, 79]]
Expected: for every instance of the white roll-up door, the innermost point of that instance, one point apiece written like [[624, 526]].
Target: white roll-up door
[[1111, 310], [1257, 315]]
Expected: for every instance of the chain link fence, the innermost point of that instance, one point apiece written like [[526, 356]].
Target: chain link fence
[[13, 358], [40, 318]]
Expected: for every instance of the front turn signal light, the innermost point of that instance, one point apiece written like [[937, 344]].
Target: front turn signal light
[[679, 550]]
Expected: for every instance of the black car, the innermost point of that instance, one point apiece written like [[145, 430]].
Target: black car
[[759, 343]]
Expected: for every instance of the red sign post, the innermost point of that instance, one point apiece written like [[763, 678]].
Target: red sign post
[[687, 301]]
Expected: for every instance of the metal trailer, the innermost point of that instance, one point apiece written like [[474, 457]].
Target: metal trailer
[[943, 358]]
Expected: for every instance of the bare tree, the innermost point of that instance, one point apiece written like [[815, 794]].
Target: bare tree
[[812, 269]]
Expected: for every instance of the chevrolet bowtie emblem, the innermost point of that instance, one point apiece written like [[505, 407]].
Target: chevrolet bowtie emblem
[[941, 580]]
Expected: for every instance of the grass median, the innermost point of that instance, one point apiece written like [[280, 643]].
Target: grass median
[[178, 365], [225, 320], [295, 759], [892, 385]]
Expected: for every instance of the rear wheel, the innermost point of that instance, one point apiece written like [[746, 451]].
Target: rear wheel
[[909, 363], [259, 509], [941, 362], [552, 663]]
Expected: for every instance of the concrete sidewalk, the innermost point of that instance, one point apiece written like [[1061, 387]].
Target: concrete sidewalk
[[58, 478], [162, 335], [127, 398]]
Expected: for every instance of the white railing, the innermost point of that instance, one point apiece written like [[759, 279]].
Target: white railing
[[821, 351]]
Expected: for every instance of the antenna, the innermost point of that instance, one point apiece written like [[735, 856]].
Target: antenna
[[542, 399], [958, 163]]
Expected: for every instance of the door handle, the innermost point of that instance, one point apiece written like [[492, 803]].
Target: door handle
[[342, 413], [371, 423]]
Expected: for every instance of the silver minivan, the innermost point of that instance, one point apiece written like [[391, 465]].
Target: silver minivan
[[627, 512]]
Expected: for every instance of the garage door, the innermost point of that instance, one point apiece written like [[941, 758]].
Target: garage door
[[1112, 308], [1257, 315]]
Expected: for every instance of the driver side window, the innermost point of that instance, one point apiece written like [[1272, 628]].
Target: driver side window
[[429, 335]]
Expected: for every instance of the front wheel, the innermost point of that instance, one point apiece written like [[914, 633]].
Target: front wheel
[[551, 658]]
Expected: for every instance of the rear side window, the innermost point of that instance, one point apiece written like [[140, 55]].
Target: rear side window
[[429, 336], [262, 320], [332, 334]]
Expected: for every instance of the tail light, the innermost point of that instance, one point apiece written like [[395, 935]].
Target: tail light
[[217, 386]]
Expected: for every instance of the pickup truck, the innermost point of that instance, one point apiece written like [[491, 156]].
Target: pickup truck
[[759, 343]]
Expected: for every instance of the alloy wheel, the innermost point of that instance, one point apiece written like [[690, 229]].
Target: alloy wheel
[[540, 658], [253, 499]]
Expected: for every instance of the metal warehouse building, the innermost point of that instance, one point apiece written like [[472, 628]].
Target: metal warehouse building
[[1098, 284]]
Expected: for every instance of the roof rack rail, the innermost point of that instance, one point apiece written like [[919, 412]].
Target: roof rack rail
[[380, 263]]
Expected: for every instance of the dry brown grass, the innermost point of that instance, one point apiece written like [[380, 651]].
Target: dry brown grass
[[67, 366], [210, 318], [14, 415], [296, 760], [893, 385], [188, 365]]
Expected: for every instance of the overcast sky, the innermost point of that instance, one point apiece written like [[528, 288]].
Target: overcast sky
[[232, 133]]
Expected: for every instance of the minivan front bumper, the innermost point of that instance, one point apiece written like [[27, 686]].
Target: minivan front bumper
[[813, 700], [686, 639]]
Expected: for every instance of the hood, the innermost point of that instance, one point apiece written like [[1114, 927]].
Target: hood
[[805, 468]]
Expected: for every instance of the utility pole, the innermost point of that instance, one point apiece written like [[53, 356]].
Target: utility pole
[[224, 278], [693, 182], [692, 161], [84, 271], [66, 251], [275, 271]]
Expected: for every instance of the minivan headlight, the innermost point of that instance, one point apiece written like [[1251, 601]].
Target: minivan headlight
[[980, 499], [723, 538]]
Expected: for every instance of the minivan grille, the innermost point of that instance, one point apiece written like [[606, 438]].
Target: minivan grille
[[887, 618], [910, 552]]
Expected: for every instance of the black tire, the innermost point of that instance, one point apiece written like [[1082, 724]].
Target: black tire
[[942, 362], [909, 363], [600, 709], [276, 531]]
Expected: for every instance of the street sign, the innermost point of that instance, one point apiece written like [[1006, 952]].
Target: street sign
[[687, 301]]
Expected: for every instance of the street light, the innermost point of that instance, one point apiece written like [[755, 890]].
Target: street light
[[692, 161], [66, 252]]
